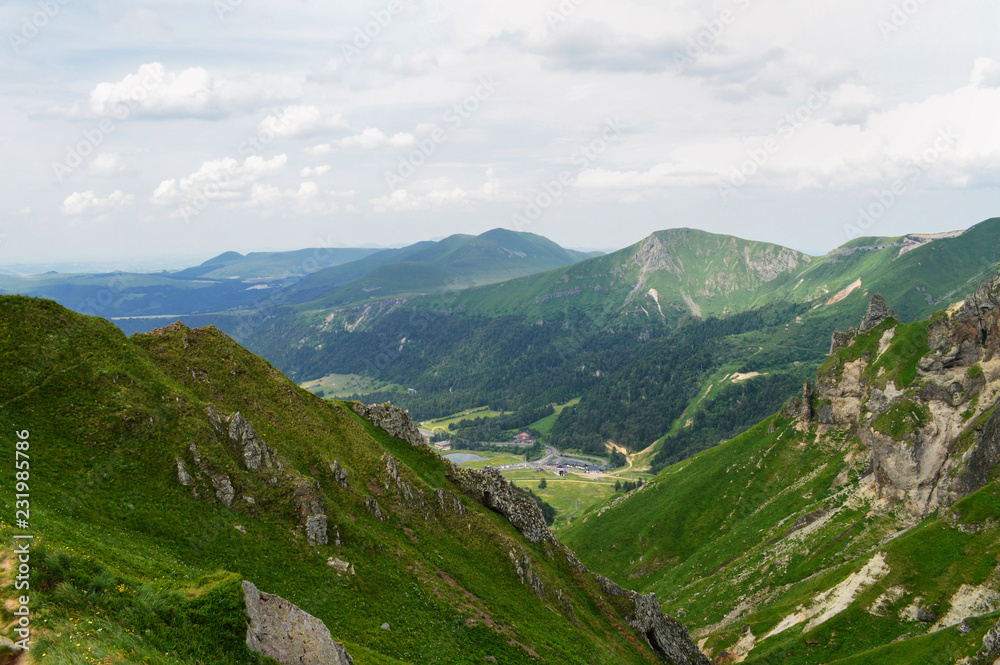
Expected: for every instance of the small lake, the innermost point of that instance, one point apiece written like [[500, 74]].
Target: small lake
[[461, 458]]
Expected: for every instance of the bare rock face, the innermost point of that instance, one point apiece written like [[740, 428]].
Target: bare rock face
[[990, 652], [256, 464], [878, 311], [223, 489], [526, 573], [280, 630], [393, 420], [339, 473], [929, 441], [256, 454], [666, 636], [490, 488], [183, 477], [312, 515]]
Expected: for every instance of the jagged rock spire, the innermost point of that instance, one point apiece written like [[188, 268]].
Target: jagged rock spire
[[878, 311]]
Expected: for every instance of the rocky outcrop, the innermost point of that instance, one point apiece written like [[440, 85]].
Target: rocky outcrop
[[526, 573], [878, 312], [928, 443], [251, 463], [392, 419], [990, 652], [256, 454], [371, 503], [490, 488], [339, 473], [183, 477], [668, 638], [278, 629]]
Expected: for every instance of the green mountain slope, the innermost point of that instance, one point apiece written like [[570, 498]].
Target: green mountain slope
[[686, 334], [457, 262], [225, 282], [859, 524], [165, 468], [273, 265]]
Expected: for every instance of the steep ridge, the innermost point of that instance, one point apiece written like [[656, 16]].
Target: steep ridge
[[857, 525], [182, 490]]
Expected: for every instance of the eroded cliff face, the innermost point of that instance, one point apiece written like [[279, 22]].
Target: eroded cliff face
[[921, 399]]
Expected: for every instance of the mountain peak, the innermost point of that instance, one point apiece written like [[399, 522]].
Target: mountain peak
[[878, 311]]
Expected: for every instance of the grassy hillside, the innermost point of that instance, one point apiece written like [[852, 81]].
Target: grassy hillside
[[621, 331], [129, 565], [273, 265], [456, 262], [795, 542]]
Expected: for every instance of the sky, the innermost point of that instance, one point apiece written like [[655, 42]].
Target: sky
[[159, 132]]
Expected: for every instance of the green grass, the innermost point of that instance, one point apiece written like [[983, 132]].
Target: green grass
[[570, 495], [441, 424], [334, 386], [492, 458], [104, 411], [902, 419], [544, 426]]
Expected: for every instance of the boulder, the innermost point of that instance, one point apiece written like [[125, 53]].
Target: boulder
[[278, 629]]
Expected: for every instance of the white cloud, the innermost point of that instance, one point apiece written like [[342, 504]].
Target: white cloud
[[193, 92], [852, 104], [444, 194], [219, 179], [664, 175], [372, 138], [986, 73], [308, 199], [855, 140], [108, 164], [82, 203], [296, 121], [314, 171], [320, 150]]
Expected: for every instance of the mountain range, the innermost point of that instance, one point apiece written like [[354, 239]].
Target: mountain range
[[850, 518], [686, 334]]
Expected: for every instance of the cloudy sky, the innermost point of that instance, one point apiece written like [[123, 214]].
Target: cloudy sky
[[148, 131]]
